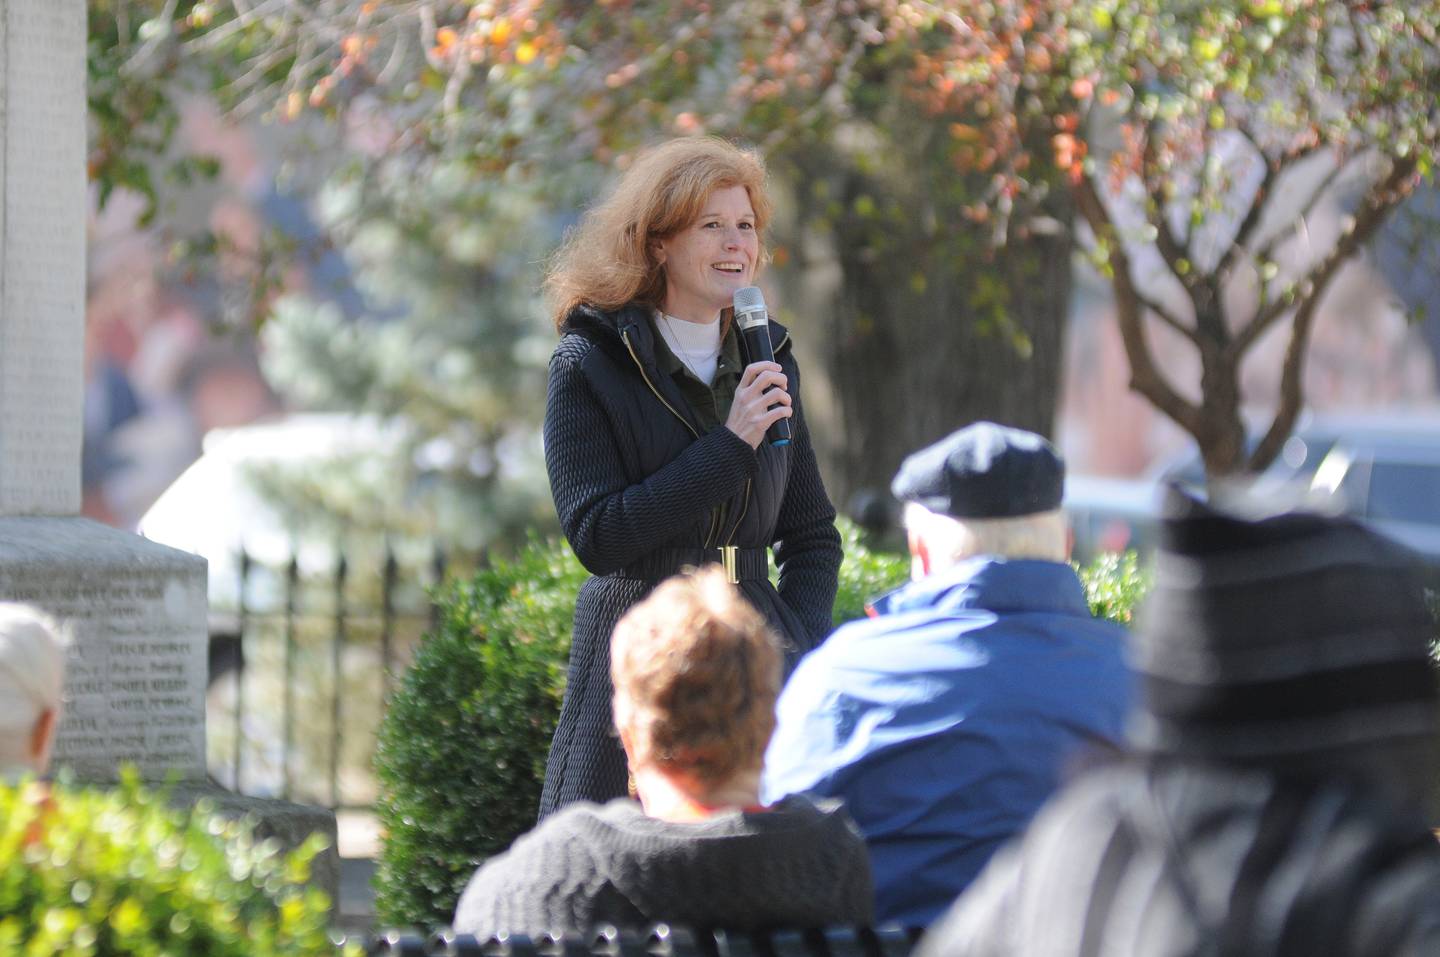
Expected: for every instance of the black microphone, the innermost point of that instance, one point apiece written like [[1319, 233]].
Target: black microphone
[[754, 324]]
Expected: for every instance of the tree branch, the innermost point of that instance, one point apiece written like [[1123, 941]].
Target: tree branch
[[1258, 204], [1264, 194], [1167, 317], [1384, 195], [1292, 391], [1169, 247], [1206, 187], [1267, 249], [1145, 377]]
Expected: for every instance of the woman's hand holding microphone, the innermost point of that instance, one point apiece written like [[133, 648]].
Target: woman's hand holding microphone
[[754, 409]]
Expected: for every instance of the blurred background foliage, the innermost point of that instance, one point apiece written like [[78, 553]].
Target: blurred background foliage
[[932, 160], [473, 133]]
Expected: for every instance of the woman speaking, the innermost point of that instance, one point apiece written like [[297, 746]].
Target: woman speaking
[[655, 430]]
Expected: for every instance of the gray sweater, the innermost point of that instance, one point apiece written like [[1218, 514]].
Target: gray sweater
[[799, 864]]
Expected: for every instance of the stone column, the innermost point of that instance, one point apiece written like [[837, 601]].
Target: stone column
[[136, 676], [42, 285], [136, 611]]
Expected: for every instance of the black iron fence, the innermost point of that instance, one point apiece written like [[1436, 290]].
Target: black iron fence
[[302, 662]]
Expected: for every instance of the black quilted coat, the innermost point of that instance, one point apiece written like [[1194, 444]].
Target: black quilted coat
[[634, 479]]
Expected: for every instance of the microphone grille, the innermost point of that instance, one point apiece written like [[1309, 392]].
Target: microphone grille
[[749, 299]]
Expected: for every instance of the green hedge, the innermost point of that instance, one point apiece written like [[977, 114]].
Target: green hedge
[[461, 755], [864, 574], [462, 748], [115, 873]]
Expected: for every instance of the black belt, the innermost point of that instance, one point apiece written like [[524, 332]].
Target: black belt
[[740, 564]]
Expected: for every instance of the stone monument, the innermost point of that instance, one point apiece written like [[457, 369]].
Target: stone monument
[[135, 610]]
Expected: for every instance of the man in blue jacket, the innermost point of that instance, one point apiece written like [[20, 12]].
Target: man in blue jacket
[[948, 718]]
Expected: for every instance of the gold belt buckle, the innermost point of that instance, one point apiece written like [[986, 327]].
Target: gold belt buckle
[[730, 559]]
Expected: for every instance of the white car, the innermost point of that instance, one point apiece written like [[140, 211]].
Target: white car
[[216, 508]]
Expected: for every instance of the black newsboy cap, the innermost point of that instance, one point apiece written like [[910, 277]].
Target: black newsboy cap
[[984, 471]]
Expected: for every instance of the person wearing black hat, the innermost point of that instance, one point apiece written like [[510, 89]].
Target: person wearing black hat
[[1281, 781], [949, 717]]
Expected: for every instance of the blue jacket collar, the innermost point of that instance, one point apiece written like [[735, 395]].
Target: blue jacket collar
[[992, 584]]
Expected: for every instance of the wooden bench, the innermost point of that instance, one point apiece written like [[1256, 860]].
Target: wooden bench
[[660, 940]]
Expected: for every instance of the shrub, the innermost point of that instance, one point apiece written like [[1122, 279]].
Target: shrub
[[1115, 585], [865, 574], [109, 873], [461, 751]]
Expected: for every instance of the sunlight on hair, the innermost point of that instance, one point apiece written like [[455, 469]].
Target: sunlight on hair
[[696, 670], [607, 260]]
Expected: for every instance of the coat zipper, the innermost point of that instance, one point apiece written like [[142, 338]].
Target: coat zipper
[[639, 365], [715, 512]]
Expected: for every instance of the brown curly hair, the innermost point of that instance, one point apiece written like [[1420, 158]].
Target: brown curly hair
[[608, 260], [696, 670]]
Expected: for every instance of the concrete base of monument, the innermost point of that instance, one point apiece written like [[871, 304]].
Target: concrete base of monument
[[136, 615], [290, 824], [136, 671]]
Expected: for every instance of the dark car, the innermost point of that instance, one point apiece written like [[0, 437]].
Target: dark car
[[1391, 481]]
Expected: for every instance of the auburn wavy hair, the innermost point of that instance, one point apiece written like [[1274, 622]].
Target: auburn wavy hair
[[608, 258], [696, 671]]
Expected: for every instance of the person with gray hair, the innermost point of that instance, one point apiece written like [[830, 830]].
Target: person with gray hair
[[946, 720], [32, 679]]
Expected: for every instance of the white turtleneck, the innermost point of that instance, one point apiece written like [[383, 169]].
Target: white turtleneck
[[696, 344]]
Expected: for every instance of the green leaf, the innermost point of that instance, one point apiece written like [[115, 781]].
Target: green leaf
[[1207, 48]]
